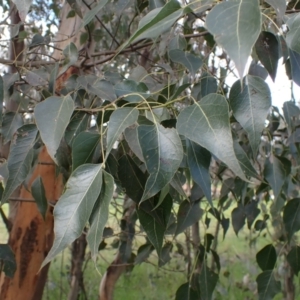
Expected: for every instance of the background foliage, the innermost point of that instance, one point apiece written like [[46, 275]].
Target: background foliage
[[143, 111]]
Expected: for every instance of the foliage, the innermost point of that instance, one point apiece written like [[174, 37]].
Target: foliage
[[156, 113]]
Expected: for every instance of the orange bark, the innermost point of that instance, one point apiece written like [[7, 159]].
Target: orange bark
[[31, 236]]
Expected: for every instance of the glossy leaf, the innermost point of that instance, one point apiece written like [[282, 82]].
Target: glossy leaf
[[132, 91], [207, 282], [52, 117], [293, 35], [79, 122], [279, 6], [20, 159], [267, 50], [119, 120], [100, 214], [199, 161], [236, 26], [155, 221], [207, 124], [71, 54], [103, 89], [11, 123], [243, 159], [295, 66], [143, 253], [250, 107], [266, 258], [275, 174], [290, 112], [131, 136], [238, 216], [165, 254], [267, 285], [189, 60], [293, 258], [75, 206], [291, 217], [38, 193], [84, 147], [1, 98], [162, 152], [206, 85], [156, 22], [7, 260], [90, 14], [186, 292], [188, 214], [132, 179]]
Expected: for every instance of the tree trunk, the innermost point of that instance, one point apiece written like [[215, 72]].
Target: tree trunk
[[78, 253], [118, 266], [31, 236]]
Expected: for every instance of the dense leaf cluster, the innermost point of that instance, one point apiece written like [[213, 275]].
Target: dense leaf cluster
[[153, 119]]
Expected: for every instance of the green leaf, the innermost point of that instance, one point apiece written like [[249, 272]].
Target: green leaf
[[206, 85], [155, 221], [103, 89], [131, 136], [186, 292], [89, 15], [165, 254], [250, 107], [279, 6], [199, 161], [267, 286], [291, 217], [119, 120], [188, 214], [11, 122], [162, 152], [290, 112], [37, 40], [238, 216], [1, 98], [38, 193], [36, 77], [71, 54], [293, 259], [79, 122], [156, 22], [100, 214], [143, 253], [293, 35], [244, 160], [295, 65], [7, 261], [155, 4], [132, 91], [84, 147], [236, 26], [267, 50], [19, 159], [207, 282], [275, 174], [23, 8], [75, 206], [132, 179], [52, 117], [207, 124], [190, 61], [266, 258]]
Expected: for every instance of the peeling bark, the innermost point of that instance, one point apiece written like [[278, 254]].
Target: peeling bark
[[31, 236]]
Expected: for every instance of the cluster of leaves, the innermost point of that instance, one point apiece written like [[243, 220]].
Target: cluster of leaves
[[150, 131]]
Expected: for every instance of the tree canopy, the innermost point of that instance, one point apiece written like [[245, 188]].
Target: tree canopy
[[134, 100]]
